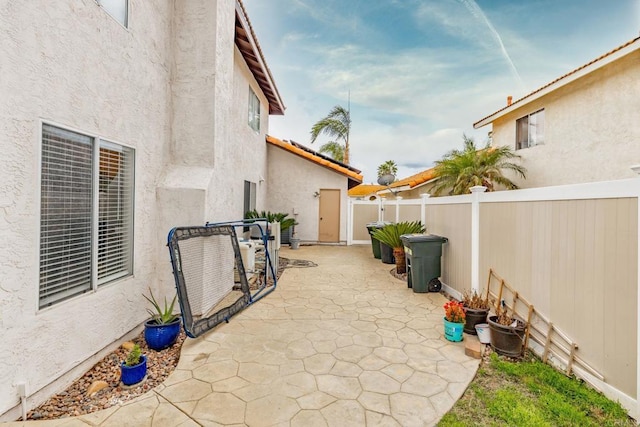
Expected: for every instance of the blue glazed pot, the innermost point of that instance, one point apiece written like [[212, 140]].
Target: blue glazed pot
[[159, 337], [453, 331], [130, 375]]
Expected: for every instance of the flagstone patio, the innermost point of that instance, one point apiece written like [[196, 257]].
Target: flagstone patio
[[340, 344]]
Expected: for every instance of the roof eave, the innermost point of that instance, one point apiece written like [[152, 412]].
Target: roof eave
[[250, 49], [562, 81]]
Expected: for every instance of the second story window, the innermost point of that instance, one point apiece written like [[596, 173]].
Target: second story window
[[530, 130], [119, 9], [254, 111]]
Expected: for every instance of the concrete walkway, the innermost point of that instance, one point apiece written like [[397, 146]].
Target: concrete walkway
[[340, 344]]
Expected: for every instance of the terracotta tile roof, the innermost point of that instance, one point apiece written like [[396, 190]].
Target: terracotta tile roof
[[248, 45], [411, 182], [315, 157], [365, 190], [415, 180], [559, 80]]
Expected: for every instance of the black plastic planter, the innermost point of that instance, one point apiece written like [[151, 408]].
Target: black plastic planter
[[474, 316], [506, 340]]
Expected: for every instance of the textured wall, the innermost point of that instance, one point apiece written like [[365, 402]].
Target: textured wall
[[70, 63], [292, 183], [173, 87], [591, 128]]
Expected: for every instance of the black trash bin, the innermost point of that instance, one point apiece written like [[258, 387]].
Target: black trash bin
[[375, 243], [423, 254], [386, 253]]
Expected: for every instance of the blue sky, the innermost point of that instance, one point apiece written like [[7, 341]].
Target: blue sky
[[420, 73]]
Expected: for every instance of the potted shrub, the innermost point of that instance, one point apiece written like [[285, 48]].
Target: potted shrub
[[162, 330], [454, 317], [507, 332], [281, 217], [134, 368], [476, 309], [390, 236]]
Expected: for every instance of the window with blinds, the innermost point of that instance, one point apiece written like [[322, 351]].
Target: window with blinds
[[86, 214]]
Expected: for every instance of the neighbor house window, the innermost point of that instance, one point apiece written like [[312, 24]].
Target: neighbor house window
[[86, 213], [254, 111], [530, 130], [119, 9]]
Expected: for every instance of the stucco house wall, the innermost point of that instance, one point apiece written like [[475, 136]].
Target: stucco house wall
[[172, 86], [592, 132], [292, 183]]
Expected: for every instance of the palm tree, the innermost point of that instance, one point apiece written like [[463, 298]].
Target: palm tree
[[389, 167], [335, 150], [459, 170], [337, 125]]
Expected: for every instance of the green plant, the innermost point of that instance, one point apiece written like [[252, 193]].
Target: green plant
[[133, 358], [285, 223], [459, 170], [390, 236], [337, 124], [475, 301], [388, 167], [161, 315]]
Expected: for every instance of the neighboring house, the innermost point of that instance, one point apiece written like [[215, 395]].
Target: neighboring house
[[408, 188], [312, 188], [581, 127], [118, 121]]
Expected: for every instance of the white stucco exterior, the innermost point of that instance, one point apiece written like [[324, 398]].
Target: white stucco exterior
[[174, 87], [592, 126], [293, 181]]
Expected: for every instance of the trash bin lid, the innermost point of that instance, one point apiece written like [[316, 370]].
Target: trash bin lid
[[378, 224], [414, 238]]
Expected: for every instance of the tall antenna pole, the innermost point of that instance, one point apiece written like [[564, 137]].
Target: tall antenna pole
[[346, 146]]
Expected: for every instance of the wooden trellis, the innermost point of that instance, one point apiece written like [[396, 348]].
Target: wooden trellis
[[538, 328]]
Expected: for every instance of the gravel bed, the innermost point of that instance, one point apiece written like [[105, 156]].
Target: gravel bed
[[74, 401]]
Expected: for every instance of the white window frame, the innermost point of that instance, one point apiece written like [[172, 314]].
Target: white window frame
[[254, 111], [123, 187], [109, 7], [535, 123]]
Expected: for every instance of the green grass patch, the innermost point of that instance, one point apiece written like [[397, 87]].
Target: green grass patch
[[531, 393]]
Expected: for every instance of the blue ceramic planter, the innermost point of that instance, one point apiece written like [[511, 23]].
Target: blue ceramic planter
[[159, 337], [453, 331], [130, 375]]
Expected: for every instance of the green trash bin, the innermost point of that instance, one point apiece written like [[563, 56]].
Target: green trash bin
[[423, 253], [375, 243]]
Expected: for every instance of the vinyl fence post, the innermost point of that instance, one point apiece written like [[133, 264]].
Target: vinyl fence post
[[475, 237], [398, 198], [423, 209]]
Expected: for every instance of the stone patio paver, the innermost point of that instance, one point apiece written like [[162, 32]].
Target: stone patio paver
[[340, 344]]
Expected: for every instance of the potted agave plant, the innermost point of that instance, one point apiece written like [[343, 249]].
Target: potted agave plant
[[454, 317], [507, 332], [134, 368], [476, 309], [162, 329]]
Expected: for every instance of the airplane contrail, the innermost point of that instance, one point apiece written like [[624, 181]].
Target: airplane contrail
[[475, 10]]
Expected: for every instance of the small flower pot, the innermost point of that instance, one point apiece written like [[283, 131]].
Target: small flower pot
[[453, 331], [473, 317], [130, 375], [159, 337]]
